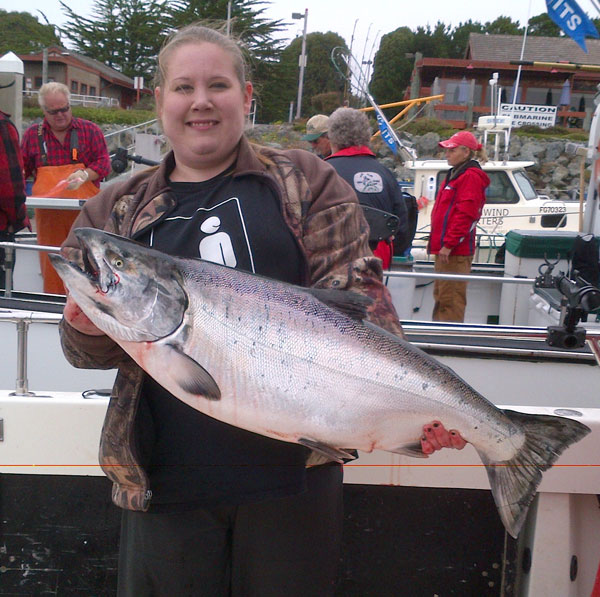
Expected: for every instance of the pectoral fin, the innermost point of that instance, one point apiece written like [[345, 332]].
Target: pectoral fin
[[413, 450], [331, 453], [191, 377]]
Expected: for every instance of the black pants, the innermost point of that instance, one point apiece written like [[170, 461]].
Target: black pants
[[288, 546]]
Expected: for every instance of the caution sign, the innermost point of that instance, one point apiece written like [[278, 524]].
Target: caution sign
[[526, 114]]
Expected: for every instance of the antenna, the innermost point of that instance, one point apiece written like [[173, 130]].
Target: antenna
[[344, 61]]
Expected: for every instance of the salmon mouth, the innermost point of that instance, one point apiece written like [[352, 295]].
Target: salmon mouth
[[90, 267], [98, 272]]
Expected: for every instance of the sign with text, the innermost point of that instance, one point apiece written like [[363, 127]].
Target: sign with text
[[526, 114]]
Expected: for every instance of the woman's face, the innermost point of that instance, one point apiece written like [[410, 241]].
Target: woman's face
[[202, 107], [457, 155]]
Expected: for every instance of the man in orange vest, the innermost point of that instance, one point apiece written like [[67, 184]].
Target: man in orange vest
[[68, 158]]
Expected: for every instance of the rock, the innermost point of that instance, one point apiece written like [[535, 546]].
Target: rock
[[532, 151], [427, 145], [560, 175], [554, 149]]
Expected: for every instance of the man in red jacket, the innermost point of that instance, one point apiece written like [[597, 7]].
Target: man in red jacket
[[454, 218]]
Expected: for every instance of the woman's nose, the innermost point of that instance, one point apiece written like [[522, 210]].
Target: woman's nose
[[201, 99]]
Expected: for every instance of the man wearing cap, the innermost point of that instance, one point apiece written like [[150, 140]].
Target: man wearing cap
[[317, 128], [454, 218]]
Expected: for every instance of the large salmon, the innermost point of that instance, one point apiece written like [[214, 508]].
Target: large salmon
[[299, 365]]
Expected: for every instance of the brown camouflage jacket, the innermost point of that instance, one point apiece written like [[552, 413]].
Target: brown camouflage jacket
[[321, 210]]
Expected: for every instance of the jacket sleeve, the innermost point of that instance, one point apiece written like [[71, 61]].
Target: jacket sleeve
[[12, 185], [29, 151], [335, 238], [470, 198], [81, 350]]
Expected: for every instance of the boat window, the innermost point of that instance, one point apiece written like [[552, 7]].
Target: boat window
[[441, 177], [501, 189], [525, 184]]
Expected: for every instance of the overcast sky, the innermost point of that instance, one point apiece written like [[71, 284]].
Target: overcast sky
[[368, 19]]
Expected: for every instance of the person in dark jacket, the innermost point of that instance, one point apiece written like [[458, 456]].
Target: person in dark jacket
[[454, 218], [13, 213], [374, 184]]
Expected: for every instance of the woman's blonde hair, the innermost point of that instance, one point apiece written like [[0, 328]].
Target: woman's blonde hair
[[198, 33], [480, 155]]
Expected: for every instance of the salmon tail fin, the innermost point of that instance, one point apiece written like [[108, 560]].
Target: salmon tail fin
[[514, 482]]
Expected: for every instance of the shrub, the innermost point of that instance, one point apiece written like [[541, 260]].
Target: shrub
[[99, 115], [421, 126]]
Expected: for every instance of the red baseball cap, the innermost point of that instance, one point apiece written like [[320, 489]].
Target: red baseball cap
[[464, 138]]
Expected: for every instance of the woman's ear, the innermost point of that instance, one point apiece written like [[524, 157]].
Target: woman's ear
[[158, 100], [247, 97]]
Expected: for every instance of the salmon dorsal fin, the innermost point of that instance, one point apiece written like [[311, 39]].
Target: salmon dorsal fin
[[350, 303]]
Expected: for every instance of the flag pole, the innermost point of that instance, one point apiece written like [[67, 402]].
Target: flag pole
[[516, 85]]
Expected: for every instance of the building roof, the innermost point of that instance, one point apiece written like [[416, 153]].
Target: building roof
[[106, 72], [504, 48]]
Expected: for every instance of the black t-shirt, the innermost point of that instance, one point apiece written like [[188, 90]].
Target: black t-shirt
[[192, 459]]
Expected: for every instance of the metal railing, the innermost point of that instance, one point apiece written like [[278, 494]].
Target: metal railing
[[89, 101], [23, 319], [11, 247]]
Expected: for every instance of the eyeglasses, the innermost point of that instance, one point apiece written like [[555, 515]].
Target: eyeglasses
[[58, 110]]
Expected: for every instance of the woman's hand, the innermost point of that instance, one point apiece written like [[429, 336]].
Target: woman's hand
[[436, 436], [77, 319]]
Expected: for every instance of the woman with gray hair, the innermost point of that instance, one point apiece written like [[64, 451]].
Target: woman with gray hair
[[374, 184]]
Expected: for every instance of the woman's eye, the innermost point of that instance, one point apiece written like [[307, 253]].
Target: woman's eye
[[183, 88]]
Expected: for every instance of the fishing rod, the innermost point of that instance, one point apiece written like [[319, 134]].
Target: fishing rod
[[119, 161], [345, 62]]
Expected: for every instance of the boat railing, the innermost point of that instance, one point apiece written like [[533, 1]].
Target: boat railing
[[23, 319], [447, 336], [457, 277], [9, 259]]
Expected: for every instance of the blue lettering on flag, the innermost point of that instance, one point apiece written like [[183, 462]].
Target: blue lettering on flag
[[385, 133], [572, 20]]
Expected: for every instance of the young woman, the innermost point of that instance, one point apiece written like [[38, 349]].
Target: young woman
[[211, 509], [454, 218]]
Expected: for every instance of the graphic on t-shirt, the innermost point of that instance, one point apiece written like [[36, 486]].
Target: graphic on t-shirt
[[368, 182], [216, 247], [219, 232]]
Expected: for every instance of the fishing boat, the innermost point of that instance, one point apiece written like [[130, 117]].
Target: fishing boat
[[412, 527], [512, 202]]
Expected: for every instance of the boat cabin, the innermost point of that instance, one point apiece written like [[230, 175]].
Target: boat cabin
[[512, 201]]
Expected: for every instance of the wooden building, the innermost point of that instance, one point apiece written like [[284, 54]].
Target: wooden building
[[465, 82], [84, 76]]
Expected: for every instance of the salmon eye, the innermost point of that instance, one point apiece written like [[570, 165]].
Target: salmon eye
[[118, 262]]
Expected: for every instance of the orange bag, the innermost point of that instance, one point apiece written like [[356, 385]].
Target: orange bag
[[53, 225]]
